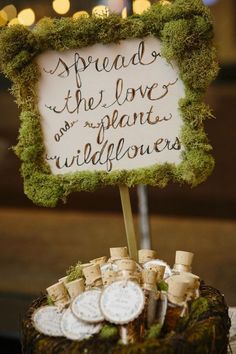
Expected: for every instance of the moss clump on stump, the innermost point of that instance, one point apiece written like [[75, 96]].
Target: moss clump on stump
[[205, 330], [185, 29]]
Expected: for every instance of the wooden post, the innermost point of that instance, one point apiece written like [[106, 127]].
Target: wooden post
[[129, 6], [129, 222], [145, 241]]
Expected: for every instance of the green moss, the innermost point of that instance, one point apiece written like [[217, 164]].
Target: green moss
[[185, 29], [75, 272], [195, 112], [109, 331], [184, 35], [198, 309], [154, 331], [162, 285], [200, 63], [49, 301], [43, 189], [195, 167]]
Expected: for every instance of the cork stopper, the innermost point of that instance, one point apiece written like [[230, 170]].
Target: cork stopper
[[58, 294], [127, 269], [192, 280], [128, 275], [127, 264], [118, 253], [100, 260], [85, 265], [180, 268], [109, 277], [75, 287], [159, 269], [63, 280], [149, 279], [184, 258], [190, 276], [177, 292], [146, 255], [149, 276], [92, 274]]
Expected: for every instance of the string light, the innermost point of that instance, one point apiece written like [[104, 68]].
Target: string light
[[26, 17], [61, 6], [3, 18], [11, 12], [79, 14], [139, 6], [100, 10]]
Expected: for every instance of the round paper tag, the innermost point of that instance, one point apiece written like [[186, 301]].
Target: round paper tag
[[149, 264], [122, 302], [109, 266], [74, 329], [47, 320], [86, 306]]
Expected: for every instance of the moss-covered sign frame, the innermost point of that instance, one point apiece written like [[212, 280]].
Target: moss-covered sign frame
[[185, 30]]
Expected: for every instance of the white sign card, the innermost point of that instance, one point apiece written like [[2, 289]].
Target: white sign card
[[110, 107]]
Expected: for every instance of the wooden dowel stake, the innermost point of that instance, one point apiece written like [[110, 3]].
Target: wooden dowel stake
[[129, 222]]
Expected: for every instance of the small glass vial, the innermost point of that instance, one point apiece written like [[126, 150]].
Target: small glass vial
[[177, 302], [192, 280], [130, 333], [127, 270], [149, 280]]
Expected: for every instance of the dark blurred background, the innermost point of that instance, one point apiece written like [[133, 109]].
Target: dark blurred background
[[37, 244]]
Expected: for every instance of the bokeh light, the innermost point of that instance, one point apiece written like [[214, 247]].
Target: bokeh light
[[124, 12], [165, 2], [26, 17], [11, 12], [139, 6], [115, 5], [61, 6], [79, 14], [13, 22], [3, 18], [100, 10]]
